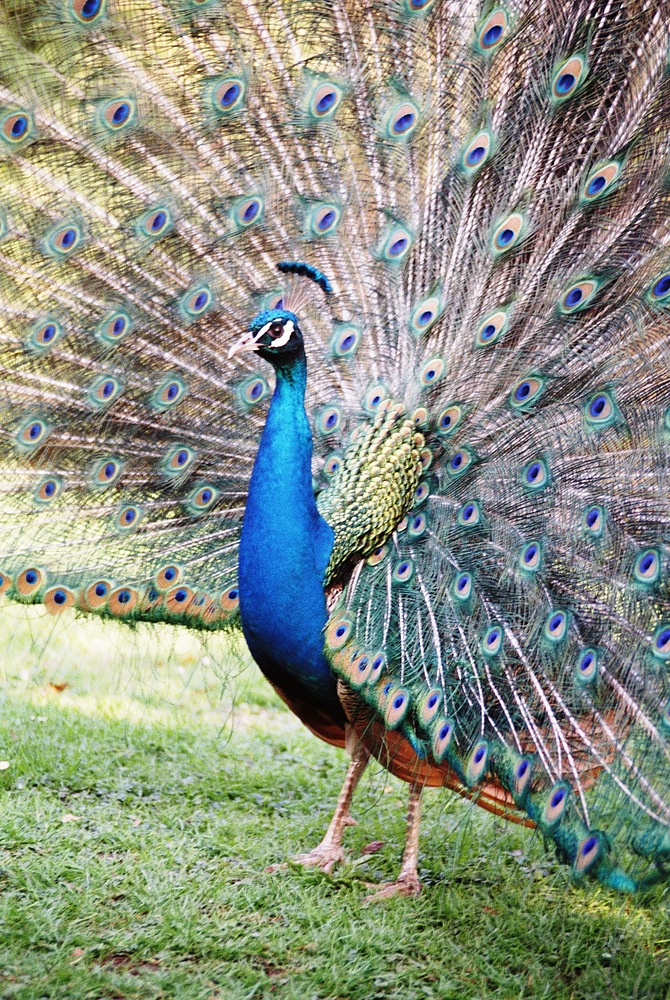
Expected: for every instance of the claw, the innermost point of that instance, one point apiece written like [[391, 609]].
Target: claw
[[403, 886]]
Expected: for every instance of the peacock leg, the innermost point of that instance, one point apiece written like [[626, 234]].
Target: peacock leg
[[329, 852], [407, 883]]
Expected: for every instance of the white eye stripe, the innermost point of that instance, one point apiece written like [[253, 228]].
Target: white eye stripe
[[286, 335], [263, 329]]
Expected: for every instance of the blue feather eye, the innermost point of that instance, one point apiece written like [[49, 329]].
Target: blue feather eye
[[44, 335], [524, 395], [442, 734], [373, 398], [16, 127], [600, 410], [253, 390], [115, 327], [600, 181], [168, 576], [196, 301], [522, 776], [128, 518], [578, 296], [477, 763], [419, 6], [227, 94], [403, 571], [378, 556], [324, 99], [104, 390], [508, 233], [48, 490], [492, 639], [168, 394], [106, 472], [589, 851], [32, 434], [247, 211], [535, 475], [449, 419], [154, 223], [30, 581], [322, 219], [460, 462], [659, 291], [332, 465], [492, 31], [491, 328], [555, 805], [396, 244], [425, 313], [63, 240], [421, 493], [345, 340], [477, 152], [470, 515], [57, 599], [329, 420], [201, 499], [117, 115], [568, 78], [431, 371], [402, 120], [96, 594], [556, 626], [462, 586], [122, 601], [177, 461], [338, 633], [530, 559], [661, 642], [417, 526], [587, 666], [87, 11], [648, 567], [593, 521]]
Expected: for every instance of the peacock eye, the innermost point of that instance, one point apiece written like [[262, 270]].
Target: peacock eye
[[276, 329]]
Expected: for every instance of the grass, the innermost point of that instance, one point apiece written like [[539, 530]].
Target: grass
[[139, 813]]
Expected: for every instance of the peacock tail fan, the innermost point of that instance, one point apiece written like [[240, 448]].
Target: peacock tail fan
[[486, 189]]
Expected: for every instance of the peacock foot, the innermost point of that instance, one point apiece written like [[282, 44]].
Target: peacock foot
[[325, 857], [404, 885]]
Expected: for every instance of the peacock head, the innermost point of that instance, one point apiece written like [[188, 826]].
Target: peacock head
[[275, 335]]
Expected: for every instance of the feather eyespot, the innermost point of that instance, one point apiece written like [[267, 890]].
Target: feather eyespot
[[115, 327], [154, 223], [329, 421], [323, 220], [470, 514], [16, 127], [178, 599], [345, 340], [417, 526], [63, 240], [421, 493], [477, 763], [430, 706], [431, 372], [395, 707], [600, 181], [32, 434], [57, 599], [96, 594], [492, 641], [402, 120], [530, 559], [377, 667], [659, 292], [168, 576], [324, 100], [600, 410], [103, 391], [491, 328], [420, 418], [554, 807], [87, 11], [419, 6], [589, 852], [332, 465], [378, 556], [253, 390], [44, 335], [122, 601], [227, 94], [106, 472], [477, 152], [442, 735], [230, 600], [201, 499], [491, 33], [338, 633], [593, 521], [508, 233], [648, 567], [128, 518], [5, 582], [449, 419], [425, 314], [661, 642], [578, 296], [462, 588], [523, 773], [30, 581], [403, 571], [396, 244], [526, 393], [118, 114], [247, 211], [177, 461], [49, 489], [459, 462], [587, 666], [568, 78], [168, 394], [374, 398], [535, 475], [196, 301], [556, 626]]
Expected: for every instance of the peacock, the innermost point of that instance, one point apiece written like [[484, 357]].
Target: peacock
[[345, 324]]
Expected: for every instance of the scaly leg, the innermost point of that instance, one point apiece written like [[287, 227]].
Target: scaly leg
[[407, 883], [329, 852]]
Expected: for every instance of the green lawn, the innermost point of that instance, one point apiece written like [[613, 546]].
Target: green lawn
[[144, 800]]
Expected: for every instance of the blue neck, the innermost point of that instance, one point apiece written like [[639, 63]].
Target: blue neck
[[284, 550]]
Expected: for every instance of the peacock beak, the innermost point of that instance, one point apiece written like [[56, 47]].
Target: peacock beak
[[247, 343]]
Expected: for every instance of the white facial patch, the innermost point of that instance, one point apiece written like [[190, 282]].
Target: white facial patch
[[286, 335]]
